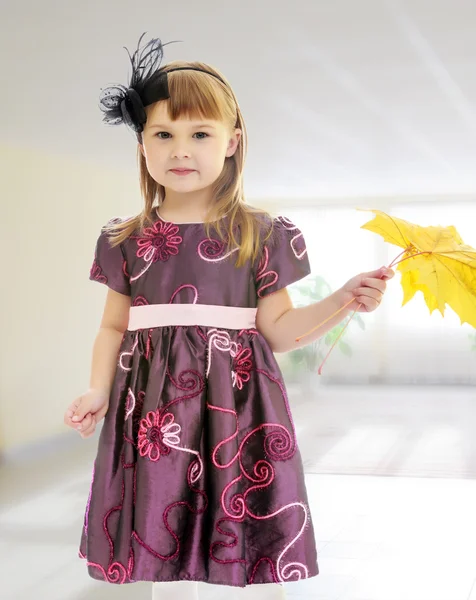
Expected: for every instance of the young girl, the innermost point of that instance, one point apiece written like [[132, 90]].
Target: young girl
[[198, 475]]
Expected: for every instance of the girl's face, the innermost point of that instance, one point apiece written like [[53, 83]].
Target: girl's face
[[196, 144]]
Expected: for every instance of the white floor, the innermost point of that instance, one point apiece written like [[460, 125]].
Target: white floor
[[379, 537]]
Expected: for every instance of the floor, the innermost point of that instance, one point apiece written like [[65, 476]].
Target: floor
[[387, 430], [380, 536]]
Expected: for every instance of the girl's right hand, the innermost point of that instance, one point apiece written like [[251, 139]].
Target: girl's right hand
[[85, 412]]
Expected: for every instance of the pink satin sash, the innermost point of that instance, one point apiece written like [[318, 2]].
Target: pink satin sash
[[207, 315]]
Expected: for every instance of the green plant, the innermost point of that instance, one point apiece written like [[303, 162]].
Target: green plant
[[311, 290], [472, 337]]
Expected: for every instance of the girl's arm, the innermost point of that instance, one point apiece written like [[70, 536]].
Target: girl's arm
[[108, 340], [280, 323], [87, 410]]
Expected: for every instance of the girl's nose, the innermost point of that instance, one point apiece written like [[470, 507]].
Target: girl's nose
[[180, 152]]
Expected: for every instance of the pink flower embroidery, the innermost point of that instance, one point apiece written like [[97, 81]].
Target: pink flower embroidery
[[159, 242], [242, 365], [156, 434], [97, 274]]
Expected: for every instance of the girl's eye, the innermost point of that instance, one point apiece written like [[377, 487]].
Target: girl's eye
[[161, 135]]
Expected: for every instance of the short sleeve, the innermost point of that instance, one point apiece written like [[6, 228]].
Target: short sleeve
[[284, 259], [109, 265]]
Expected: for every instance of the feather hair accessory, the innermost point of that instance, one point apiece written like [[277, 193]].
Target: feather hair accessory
[[148, 84]]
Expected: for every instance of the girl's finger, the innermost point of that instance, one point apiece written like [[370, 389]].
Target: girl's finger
[[88, 431], [68, 415], [68, 421], [366, 292], [84, 423], [376, 273], [369, 304], [377, 284], [74, 406], [81, 410]]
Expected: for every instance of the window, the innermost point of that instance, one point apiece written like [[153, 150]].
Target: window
[[399, 344]]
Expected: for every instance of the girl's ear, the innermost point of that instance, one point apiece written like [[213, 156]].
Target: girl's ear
[[233, 143]]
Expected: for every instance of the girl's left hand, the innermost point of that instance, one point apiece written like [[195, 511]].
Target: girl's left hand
[[367, 289]]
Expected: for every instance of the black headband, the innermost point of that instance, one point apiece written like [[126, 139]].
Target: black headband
[[148, 84]]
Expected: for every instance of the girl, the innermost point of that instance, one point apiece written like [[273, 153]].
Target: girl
[[198, 475]]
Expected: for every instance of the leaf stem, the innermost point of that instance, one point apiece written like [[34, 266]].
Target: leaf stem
[[337, 339], [325, 320], [392, 264], [407, 257]]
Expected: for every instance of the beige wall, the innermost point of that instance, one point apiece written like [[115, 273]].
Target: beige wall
[[52, 211]]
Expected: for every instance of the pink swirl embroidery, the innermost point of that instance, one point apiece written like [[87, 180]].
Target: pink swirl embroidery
[[224, 544], [237, 507], [130, 404], [299, 570], [116, 572], [256, 567], [194, 384], [124, 268], [279, 445], [212, 250], [192, 509], [262, 273], [137, 414], [128, 354], [297, 240], [183, 287], [140, 301], [97, 274], [130, 565], [158, 242]]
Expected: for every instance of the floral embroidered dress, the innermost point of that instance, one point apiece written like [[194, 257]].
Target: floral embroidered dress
[[198, 475]]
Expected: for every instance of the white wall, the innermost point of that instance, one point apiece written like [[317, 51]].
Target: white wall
[[52, 211]]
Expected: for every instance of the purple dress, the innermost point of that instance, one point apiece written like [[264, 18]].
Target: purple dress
[[198, 475]]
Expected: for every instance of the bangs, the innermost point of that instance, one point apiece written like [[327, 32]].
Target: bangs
[[195, 95]]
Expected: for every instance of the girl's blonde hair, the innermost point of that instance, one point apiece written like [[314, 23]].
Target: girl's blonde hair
[[194, 94]]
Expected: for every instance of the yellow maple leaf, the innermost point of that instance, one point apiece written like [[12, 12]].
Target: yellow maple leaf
[[435, 261]]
